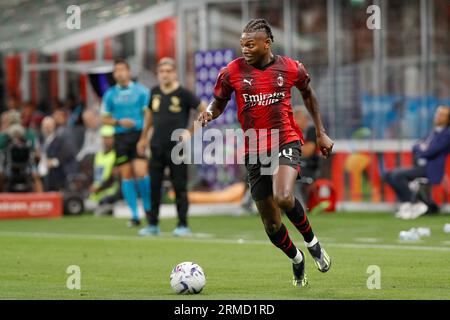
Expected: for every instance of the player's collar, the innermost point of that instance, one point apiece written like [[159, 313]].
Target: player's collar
[[129, 86], [275, 58]]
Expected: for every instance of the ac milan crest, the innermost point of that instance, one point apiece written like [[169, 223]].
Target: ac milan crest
[[280, 80]]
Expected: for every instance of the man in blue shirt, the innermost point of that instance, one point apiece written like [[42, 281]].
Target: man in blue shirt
[[430, 155], [124, 107]]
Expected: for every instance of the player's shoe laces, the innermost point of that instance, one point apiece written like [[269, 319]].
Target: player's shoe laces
[[150, 230], [181, 231], [299, 279], [133, 223], [320, 256]]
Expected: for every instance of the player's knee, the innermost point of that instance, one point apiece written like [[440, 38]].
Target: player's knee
[[140, 173], [284, 199], [271, 226]]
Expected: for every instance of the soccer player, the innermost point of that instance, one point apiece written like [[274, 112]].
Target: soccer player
[[169, 110], [262, 82], [123, 107]]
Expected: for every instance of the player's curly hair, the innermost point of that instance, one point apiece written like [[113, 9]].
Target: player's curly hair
[[259, 25]]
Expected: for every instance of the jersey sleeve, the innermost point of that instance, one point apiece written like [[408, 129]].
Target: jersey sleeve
[[302, 78], [223, 88], [106, 108]]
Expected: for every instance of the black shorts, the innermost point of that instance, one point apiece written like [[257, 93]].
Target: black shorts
[[125, 146], [260, 174]]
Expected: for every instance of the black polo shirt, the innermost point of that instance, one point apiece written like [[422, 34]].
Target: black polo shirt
[[170, 112]]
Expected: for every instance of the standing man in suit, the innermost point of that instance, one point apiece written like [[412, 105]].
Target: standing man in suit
[[57, 158], [430, 155]]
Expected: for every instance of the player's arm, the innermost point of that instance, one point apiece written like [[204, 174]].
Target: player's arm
[[222, 94], [107, 116], [213, 110], [310, 100], [107, 119], [148, 123]]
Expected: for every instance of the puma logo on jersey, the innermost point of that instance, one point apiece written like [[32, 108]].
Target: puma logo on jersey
[[249, 81], [287, 153]]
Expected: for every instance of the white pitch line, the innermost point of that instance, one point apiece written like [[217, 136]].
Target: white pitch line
[[166, 236], [367, 240]]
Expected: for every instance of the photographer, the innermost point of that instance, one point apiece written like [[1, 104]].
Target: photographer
[[17, 162]]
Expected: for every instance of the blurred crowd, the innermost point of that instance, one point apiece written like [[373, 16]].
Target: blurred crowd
[[51, 151]]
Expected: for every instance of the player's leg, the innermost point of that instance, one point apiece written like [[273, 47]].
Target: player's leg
[[283, 191], [279, 236], [157, 166], [261, 190], [128, 184], [129, 191], [178, 176], [140, 168]]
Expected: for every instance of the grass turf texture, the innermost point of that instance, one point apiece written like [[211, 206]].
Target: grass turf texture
[[117, 264]]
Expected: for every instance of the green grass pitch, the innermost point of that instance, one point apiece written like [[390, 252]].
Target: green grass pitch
[[238, 259]]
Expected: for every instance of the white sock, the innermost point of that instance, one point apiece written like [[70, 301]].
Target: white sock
[[298, 258], [313, 242]]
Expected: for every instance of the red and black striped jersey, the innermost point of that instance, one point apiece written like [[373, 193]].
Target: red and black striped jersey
[[263, 98]]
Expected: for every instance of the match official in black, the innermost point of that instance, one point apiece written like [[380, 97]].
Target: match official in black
[[169, 109]]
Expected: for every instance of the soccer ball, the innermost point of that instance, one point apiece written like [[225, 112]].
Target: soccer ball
[[187, 278]]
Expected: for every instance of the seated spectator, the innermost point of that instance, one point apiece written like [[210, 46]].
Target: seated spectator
[[13, 104], [12, 117], [31, 117], [75, 111], [92, 142], [55, 104], [57, 157], [92, 139], [105, 191], [309, 164], [60, 116], [18, 171], [429, 162]]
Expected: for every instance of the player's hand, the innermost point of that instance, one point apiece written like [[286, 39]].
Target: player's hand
[[205, 117], [140, 147], [126, 123], [325, 144]]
